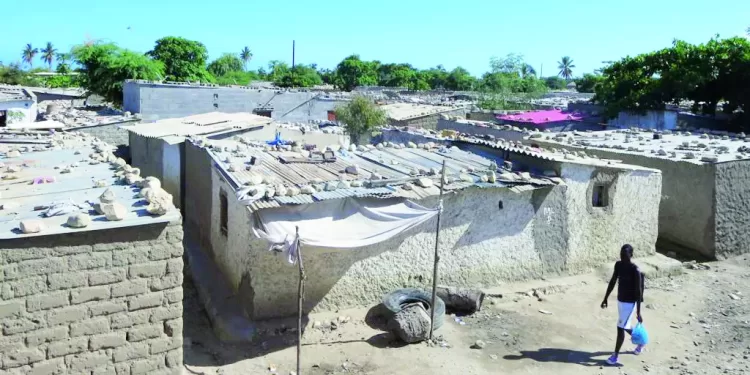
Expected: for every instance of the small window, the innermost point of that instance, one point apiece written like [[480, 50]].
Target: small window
[[216, 96], [216, 105], [331, 115], [224, 219], [599, 198]]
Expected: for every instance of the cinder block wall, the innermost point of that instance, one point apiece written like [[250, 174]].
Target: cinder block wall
[[95, 302]]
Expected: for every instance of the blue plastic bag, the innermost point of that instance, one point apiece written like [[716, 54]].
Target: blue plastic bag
[[639, 335]]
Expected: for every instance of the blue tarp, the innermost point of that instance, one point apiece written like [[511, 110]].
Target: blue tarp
[[278, 141]]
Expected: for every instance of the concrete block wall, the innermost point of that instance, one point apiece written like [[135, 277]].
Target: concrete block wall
[[427, 122], [158, 101], [94, 302]]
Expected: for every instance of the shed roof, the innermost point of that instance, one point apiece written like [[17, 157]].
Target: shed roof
[[24, 195], [543, 117], [206, 123]]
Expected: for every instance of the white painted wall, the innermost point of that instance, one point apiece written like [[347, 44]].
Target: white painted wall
[[26, 107]]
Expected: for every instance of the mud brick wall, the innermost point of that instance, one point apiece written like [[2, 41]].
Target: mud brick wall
[[94, 302]]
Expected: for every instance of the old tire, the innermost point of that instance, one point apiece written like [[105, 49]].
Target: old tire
[[395, 301]]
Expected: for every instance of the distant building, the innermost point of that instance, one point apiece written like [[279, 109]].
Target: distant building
[[553, 120], [419, 115]]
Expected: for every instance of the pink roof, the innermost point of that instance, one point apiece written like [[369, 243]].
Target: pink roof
[[543, 117]]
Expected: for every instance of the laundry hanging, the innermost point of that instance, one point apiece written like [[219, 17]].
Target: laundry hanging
[[339, 223]]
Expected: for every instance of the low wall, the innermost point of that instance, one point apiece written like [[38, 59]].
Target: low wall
[[101, 302]]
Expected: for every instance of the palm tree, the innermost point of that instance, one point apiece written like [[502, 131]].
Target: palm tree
[[246, 56], [48, 54], [28, 54], [527, 70], [566, 68]]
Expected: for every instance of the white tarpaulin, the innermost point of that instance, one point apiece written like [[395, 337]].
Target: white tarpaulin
[[339, 223]]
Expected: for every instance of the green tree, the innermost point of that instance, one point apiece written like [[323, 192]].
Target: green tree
[[183, 59], [566, 67], [13, 74], [327, 75], [527, 70], [396, 75], [511, 63], [48, 54], [459, 79], [241, 78], [588, 82], [353, 72], [299, 76], [28, 55], [104, 67], [360, 117], [277, 70], [436, 77], [555, 83], [246, 55], [63, 66], [225, 64]]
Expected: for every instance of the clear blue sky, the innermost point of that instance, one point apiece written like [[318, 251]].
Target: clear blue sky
[[424, 33]]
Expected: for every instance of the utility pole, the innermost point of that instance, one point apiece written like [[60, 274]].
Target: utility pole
[[293, 51]]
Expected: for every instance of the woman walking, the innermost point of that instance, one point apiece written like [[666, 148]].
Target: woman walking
[[629, 280]]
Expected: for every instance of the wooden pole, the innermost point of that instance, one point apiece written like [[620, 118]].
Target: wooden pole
[[437, 255], [300, 298]]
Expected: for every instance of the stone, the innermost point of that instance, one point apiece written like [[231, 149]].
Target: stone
[[280, 190], [375, 177], [101, 183], [352, 169], [32, 226], [356, 183], [412, 145], [352, 147], [108, 196], [152, 182], [465, 177], [479, 344], [710, 159], [13, 154], [343, 184], [491, 177], [113, 211], [411, 324], [79, 220], [424, 182], [330, 186], [160, 204], [307, 189], [292, 191]]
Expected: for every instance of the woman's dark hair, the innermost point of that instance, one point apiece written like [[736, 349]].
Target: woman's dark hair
[[626, 252]]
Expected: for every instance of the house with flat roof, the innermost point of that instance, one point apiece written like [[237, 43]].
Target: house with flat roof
[[17, 107], [552, 119], [158, 148], [504, 217], [705, 205], [90, 269]]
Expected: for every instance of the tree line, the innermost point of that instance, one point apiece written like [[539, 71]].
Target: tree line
[[103, 67], [708, 75]]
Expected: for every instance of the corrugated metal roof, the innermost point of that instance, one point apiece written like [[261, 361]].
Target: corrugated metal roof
[[397, 166], [360, 192]]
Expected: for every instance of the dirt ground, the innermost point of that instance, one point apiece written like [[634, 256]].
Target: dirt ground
[[699, 323]]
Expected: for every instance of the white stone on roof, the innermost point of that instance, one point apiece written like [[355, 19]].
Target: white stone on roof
[[697, 148], [36, 175]]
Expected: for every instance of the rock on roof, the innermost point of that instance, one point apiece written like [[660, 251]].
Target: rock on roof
[[11, 93]]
